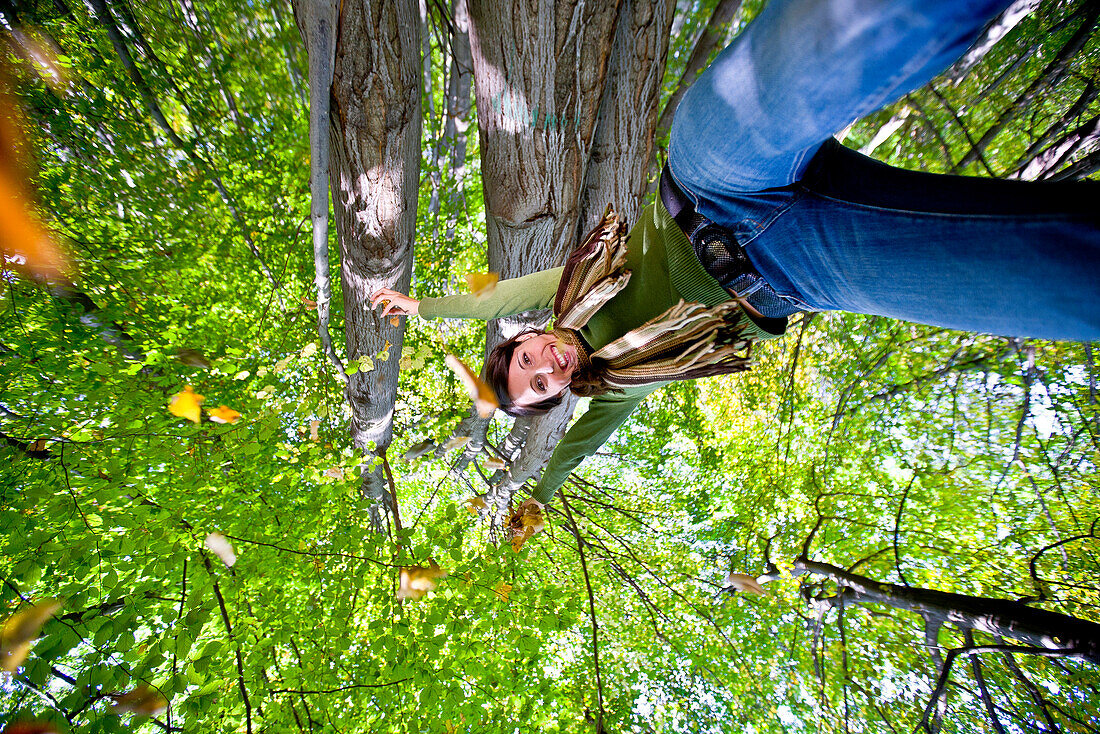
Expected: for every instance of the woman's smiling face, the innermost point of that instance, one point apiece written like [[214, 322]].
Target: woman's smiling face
[[541, 368]]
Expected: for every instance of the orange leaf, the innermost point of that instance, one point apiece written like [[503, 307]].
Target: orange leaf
[[31, 726], [143, 700], [525, 522], [502, 590], [416, 581], [482, 395], [186, 404], [21, 629], [313, 426], [223, 414], [482, 284], [25, 243], [334, 472]]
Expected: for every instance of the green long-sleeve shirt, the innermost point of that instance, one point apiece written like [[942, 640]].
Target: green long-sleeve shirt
[[664, 270]]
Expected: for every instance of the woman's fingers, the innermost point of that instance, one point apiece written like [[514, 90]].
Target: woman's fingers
[[393, 303]]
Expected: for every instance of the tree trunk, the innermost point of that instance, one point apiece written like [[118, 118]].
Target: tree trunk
[[375, 146], [616, 173], [1002, 617], [1052, 74]]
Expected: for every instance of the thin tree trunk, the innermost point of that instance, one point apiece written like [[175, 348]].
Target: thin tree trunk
[[995, 616], [713, 33], [1057, 128], [1009, 18], [458, 111], [1054, 72], [318, 26], [375, 144]]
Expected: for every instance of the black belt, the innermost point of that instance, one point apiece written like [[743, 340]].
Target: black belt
[[715, 246]]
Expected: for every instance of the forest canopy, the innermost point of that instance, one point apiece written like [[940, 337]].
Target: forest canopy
[[217, 518]]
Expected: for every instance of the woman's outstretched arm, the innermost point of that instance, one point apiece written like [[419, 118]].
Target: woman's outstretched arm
[[510, 297]]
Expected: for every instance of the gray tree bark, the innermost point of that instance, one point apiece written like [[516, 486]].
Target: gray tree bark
[[619, 151], [1002, 617], [374, 141]]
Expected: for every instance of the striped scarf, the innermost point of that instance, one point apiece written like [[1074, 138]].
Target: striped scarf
[[687, 341]]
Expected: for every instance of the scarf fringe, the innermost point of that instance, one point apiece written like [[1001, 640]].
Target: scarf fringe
[[687, 341]]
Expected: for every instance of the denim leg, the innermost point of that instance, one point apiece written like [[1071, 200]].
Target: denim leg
[[977, 254], [802, 70]]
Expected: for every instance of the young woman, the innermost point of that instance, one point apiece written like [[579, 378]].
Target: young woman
[[761, 214]]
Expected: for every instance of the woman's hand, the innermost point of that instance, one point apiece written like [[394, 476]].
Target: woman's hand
[[394, 303]]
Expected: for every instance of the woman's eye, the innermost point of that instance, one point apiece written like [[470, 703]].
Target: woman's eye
[[526, 359], [540, 385]]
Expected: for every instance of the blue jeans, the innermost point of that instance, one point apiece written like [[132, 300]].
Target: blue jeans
[[830, 229]]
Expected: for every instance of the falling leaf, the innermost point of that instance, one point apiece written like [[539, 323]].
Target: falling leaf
[[186, 404], [475, 505], [30, 726], [21, 629], [313, 435], [482, 284], [416, 581], [309, 350], [482, 395], [308, 303], [143, 700], [24, 242], [223, 414], [192, 358], [525, 522], [395, 321], [502, 590], [743, 582], [419, 450], [495, 463], [221, 548], [406, 362], [455, 442], [334, 472]]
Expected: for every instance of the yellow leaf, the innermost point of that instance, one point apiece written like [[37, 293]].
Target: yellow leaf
[[744, 582], [313, 435], [482, 284], [308, 350], [21, 629], [502, 590], [455, 442], [495, 463], [142, 700], [475, 505], [221, 548], [416, 581], [484, 399], [223, 414], [334, 472], [186, 404]]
